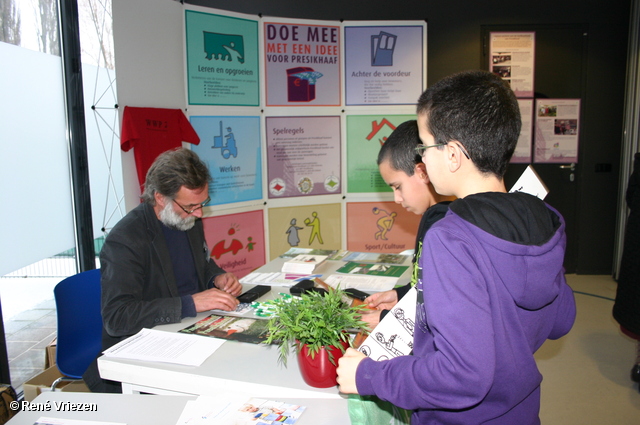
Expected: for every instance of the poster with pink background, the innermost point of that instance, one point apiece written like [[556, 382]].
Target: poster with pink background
[[236, 241]]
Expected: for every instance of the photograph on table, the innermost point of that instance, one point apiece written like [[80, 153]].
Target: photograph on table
[[303, 156], [302, 63], [229, 327], [380, 227], [230, 146], [365, 135], [308, 226], [236, 241], [222, 59]]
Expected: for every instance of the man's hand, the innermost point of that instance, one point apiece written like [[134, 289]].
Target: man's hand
[[347, 366], [228, 282], [214, 299], [382, 300]]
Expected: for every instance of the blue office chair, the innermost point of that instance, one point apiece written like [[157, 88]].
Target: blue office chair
[[79, 323]]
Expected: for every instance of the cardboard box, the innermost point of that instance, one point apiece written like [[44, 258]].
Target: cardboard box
[[43, 381], [50, 354]]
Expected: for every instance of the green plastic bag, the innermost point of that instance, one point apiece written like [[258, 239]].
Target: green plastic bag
[[370, 410]]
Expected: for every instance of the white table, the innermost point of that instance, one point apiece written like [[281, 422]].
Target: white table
[[138, 409], [236, 366]]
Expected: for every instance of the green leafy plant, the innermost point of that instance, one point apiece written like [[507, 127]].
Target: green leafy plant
[[313, 320]]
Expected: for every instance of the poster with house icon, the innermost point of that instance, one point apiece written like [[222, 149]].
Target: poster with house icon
[[365, 135]]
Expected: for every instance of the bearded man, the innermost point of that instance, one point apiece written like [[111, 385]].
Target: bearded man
[[155, 264]]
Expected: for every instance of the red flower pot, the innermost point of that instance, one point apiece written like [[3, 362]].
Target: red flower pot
[[319, 372]]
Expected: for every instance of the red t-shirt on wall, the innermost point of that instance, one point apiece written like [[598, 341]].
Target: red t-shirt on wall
[[152, 131]]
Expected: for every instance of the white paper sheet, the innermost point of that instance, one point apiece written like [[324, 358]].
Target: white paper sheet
[[166, 347]]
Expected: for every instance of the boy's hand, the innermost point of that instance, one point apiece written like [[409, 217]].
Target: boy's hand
[[347, 366], [372, 318], [382, 300]]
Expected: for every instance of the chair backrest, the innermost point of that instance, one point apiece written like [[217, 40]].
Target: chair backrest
[[79, 322]]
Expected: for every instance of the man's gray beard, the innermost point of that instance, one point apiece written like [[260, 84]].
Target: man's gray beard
[[172, 219]]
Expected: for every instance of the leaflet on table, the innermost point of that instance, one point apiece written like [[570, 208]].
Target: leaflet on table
[[292, 252], [228, 327], [374, 257], [276, 278], [238, 410], [353, 267], [303, 263], [43, 420], [362, 282], [393, 336], [167, 347]]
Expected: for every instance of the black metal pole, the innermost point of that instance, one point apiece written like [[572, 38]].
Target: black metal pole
[[72, 75], [5, 375]]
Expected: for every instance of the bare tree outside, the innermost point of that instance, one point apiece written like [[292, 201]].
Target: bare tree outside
[[9, 22], [96, 32], [48, 34]]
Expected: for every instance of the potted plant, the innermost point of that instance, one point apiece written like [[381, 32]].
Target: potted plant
[[317, 326]]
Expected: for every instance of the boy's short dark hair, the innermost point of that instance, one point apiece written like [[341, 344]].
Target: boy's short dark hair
[[400, 148], [173, 169], [478, 109]]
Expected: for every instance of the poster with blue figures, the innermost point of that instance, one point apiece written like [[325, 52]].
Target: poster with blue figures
[[230, 146]]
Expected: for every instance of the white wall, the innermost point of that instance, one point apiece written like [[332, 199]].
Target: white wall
[[148, 43]]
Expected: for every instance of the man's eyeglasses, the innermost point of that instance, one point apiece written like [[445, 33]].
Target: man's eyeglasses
[[194, 207], [420, 150]]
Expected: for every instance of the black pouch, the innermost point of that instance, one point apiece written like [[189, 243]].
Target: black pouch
[[302, 287]]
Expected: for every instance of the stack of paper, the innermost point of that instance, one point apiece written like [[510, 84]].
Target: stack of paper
[[167, 347], [303, 263]]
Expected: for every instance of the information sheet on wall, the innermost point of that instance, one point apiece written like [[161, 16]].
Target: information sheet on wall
[[303, 155], [522, 154], [222, 60], [384, 64], [365, 135], [380, 227], [236, 241], [231, 148], [302, 63], [557, 128], [512, 56]]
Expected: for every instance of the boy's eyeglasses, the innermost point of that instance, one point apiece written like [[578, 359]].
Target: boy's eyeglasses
[[196, 207], [420, 150]]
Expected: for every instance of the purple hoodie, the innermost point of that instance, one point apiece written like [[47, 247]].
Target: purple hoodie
[[491, 292]]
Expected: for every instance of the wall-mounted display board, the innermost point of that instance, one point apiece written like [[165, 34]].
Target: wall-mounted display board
[[365, 136], [352, 83], [557, 130], [222, 60], [302, 63], [236, 241], [303, 156], [306, 226], [512, 56], [522, 154], [231, 148], [385, 63], [380, 227]]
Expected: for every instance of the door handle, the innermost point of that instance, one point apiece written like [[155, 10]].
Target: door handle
[[571, 166]]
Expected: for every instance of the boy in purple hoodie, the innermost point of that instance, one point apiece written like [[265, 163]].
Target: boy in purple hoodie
[[493, 287]]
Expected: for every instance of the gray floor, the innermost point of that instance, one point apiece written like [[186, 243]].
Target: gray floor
[[27, 334], [586, 373]]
